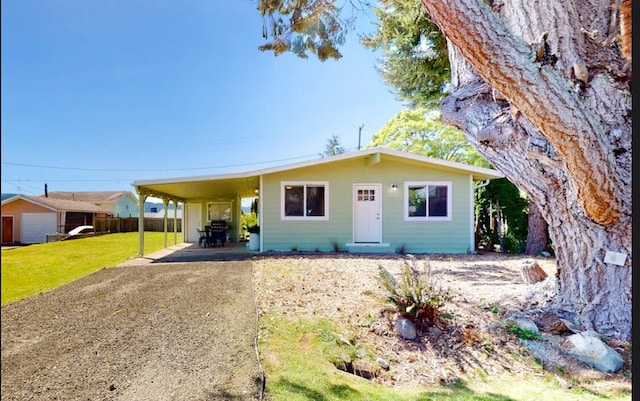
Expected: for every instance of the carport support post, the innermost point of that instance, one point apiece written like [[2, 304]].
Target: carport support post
[[165, 203], [141, 200], [175, 221]]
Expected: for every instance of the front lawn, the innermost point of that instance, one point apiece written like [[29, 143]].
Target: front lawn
[[39, 268]]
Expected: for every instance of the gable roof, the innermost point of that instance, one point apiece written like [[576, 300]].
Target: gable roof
[[245, 184], [93, 197], [58, 205]]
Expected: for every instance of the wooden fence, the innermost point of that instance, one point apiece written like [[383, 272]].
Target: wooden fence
[[130, 224]]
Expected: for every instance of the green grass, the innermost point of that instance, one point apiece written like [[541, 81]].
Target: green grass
[[39, 268], [297, 355]]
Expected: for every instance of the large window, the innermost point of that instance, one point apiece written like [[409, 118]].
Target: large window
[[428, 201], [305, 201], [219, 211]]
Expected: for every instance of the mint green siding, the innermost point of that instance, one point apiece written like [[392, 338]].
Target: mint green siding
[[126, 207], [416, 236]]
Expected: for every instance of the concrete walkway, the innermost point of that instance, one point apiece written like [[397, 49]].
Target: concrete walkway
[[187, 252]]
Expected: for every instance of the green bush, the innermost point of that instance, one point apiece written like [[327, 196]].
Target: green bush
[[416, 296]]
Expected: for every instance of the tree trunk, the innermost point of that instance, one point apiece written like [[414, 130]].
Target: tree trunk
[[536, 231], [563, 134]]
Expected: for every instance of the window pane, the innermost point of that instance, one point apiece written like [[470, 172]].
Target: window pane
[[437, 201], [315, 201], [418, 201], [293, 200]]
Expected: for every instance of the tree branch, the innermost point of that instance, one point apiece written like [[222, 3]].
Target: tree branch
[[542, 94]]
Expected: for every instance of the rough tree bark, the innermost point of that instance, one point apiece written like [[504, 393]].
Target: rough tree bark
[[557, 123], [536, 231]]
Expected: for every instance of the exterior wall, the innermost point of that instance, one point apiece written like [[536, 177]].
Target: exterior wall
[[234, 224], [416, 236], [125, 207], [20, 206]]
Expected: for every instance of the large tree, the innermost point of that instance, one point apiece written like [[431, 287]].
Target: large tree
[[543, 93]]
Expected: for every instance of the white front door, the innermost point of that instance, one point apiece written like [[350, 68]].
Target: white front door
[[194, 222], [366, 213]]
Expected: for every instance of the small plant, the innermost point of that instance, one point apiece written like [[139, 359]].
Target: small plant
[[416, 296], [335, 245], [253, 229], [523, 334], [294, 248], [402, 249]]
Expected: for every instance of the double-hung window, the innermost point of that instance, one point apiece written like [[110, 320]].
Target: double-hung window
[[429, 201], [305, 200]]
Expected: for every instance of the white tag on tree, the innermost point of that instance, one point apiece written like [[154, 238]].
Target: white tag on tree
[[616, 258]]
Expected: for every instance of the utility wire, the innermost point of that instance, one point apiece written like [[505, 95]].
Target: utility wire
[[153, 170]]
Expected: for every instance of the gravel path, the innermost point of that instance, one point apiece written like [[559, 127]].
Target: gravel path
[[152, 332]]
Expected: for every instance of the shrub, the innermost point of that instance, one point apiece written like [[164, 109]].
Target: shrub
[[416, 296], [335, 245], [253, 229]]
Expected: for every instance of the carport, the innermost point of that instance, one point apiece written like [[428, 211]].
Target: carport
[[195, 193]]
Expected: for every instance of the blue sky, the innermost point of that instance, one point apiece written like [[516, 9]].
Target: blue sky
[[97, 94]]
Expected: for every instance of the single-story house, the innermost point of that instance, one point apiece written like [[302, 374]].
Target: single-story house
[[28, 219], [118, 203], [372, 200]]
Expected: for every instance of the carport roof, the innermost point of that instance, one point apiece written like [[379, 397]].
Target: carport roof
[[245, 184]]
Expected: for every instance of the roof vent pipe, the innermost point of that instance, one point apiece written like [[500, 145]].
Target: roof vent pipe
[[46, 193]]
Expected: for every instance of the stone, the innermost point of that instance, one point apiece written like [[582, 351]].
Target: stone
[[526, 324], [434, 331], [364, 369], [406, 328], [587, 347], [383, 363]]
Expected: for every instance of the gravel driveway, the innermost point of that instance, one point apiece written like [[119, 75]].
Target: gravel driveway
[[170, 331]]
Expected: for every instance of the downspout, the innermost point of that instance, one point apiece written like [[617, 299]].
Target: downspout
[[482, 184]]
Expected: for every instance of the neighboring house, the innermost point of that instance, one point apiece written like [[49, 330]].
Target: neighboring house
[[119, 203], [373, 200], [158, 213], [28, 219]]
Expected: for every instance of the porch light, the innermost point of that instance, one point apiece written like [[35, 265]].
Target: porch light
[[256, 190], [394, 186]]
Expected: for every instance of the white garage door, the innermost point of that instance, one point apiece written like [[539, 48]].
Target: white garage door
[[34, 227]]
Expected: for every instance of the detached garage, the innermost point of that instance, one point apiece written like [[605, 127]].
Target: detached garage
[[28, 219]]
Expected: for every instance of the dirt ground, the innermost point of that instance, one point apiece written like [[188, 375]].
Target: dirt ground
[[186, 331], [153, 332], [483, 290]]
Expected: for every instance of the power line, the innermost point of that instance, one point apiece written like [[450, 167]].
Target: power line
[[153, 170]]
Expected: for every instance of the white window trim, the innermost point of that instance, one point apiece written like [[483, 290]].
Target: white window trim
[[325, 184], [408, 184]]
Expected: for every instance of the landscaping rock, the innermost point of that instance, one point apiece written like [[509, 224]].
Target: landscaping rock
[[590, 349], [365, 369], [406, 328], [526, 324], [383, 363], [434, 331]]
